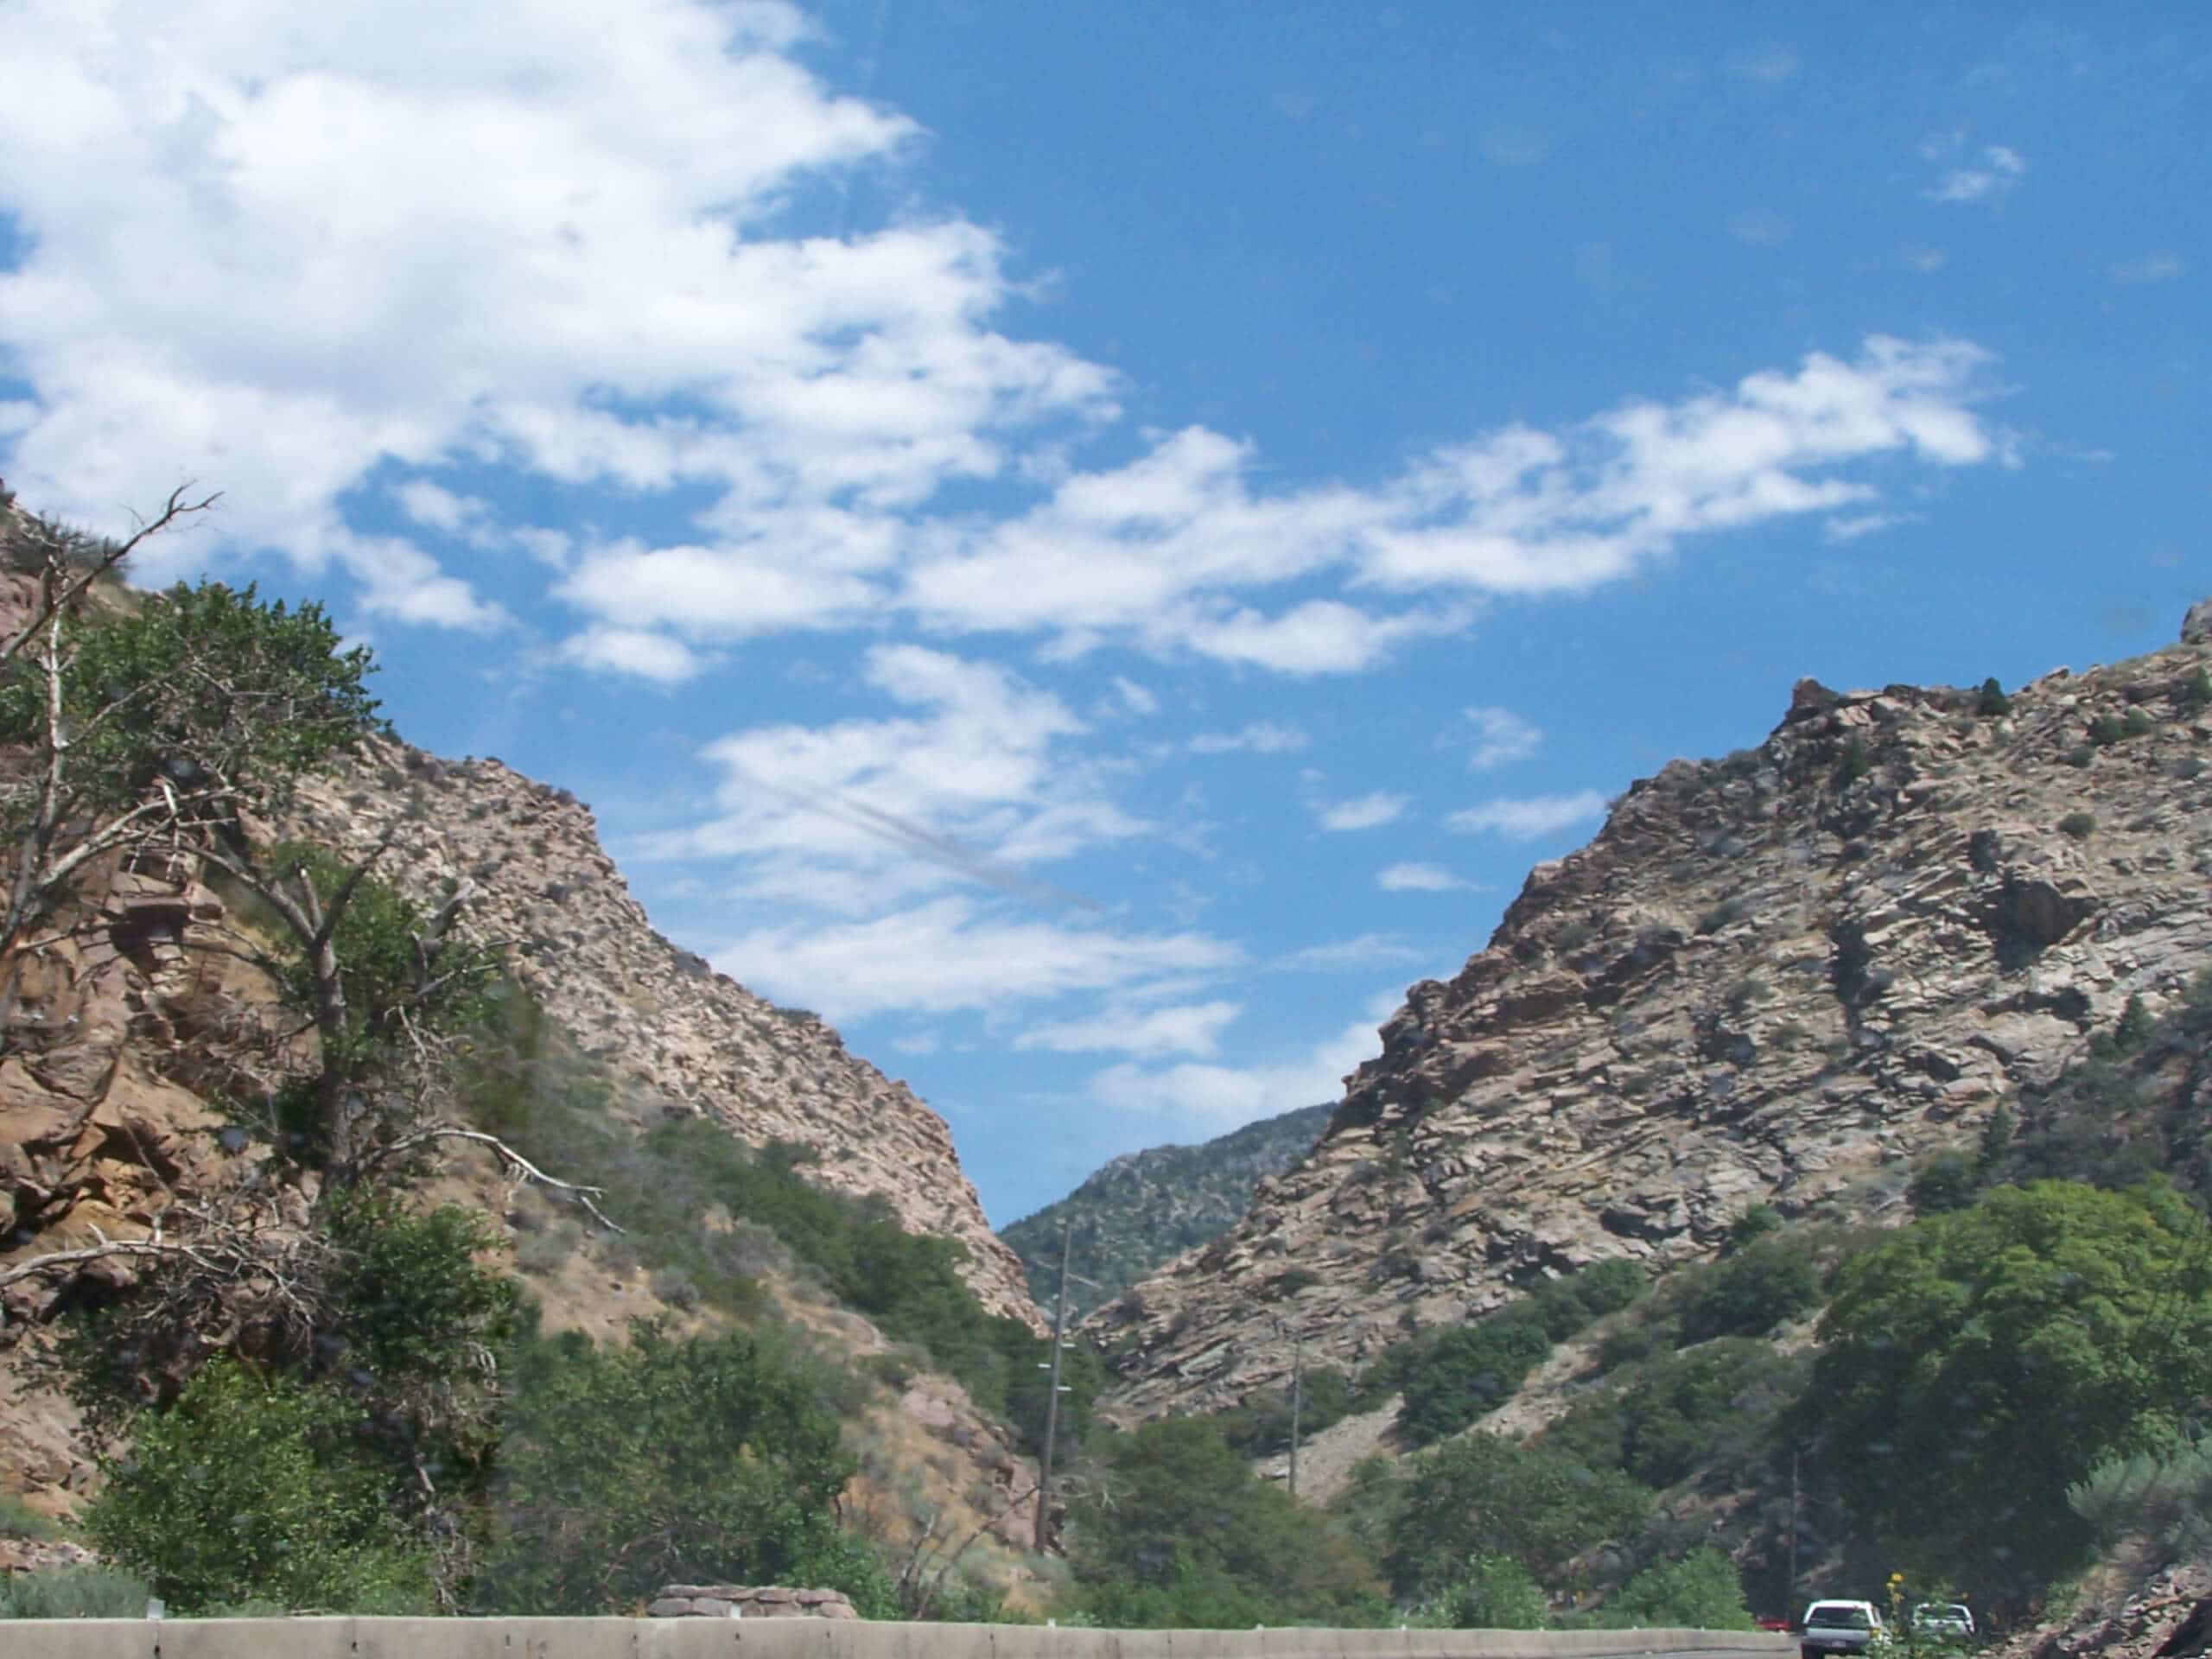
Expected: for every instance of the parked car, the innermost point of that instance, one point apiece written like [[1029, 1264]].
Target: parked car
[[1853, 1627], [1951, 1618]]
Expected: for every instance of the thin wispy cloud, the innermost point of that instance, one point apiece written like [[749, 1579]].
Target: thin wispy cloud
[[1530, 818], [1417, 878], [1365, 812], [1261, 737], [1992, 172], [1366, 950], [1495, 737], [2153, 268]]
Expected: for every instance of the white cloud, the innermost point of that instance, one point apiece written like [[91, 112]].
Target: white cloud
[[1162, 552], [1500, 737], [1367, 950], [1927, 261], [1417, 878], [1186, 1028], [632, 650], [1212, 1099], [1850, 527], [334, 296], [1260, 737], [2153, 268], [974, 781], [1529, 818], [1136, 699], [1993, 174], [949, 954], [1366, 812]]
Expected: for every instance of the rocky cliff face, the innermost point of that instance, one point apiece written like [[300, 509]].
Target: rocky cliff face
[[659, 1017], [1145, 1208], [1779, 977]]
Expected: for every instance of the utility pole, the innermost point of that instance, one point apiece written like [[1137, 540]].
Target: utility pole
[[1297, 1393], [1052, 1397], [1789, 1594]]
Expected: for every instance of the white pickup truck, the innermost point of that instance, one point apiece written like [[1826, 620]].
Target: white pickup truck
[[1830, 1627]]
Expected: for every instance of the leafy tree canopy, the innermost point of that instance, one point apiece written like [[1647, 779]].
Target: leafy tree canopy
[[1482, 1494], [702, 1460], [1981, 1361], [204, 687], [1183, 1534], [250, 1487]]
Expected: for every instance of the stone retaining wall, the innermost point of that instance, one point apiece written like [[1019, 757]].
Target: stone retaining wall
[[748, 1601]]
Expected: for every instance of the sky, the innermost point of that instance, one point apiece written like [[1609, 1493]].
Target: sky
[[1094, 544]]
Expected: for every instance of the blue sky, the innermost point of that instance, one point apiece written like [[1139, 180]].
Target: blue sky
[[1095, 543]]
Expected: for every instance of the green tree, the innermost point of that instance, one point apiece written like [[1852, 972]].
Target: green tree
[[1483, 1494], [250, 1487], [1980, 1364], [1178, 1533], [703, 1460], [1991, 700]]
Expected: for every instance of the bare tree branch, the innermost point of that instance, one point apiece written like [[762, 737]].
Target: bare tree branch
[[59, 598]]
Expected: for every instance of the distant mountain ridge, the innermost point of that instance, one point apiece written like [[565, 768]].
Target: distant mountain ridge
[[1146, 1208]]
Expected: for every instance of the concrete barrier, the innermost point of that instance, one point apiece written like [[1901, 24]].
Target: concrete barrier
[[806, 1638]]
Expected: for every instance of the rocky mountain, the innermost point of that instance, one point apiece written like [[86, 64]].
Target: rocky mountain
[[1783, 977], [1146, 1208], [677, 1032], [122, 1033]]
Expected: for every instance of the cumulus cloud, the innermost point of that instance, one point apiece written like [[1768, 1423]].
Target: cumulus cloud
[[1213, 1099], [595, 298], [949, 954], [1185, 1028], [1417, 878], [634, 651], [1169, 551], [1530, 818], [1365, 812], [969, 784]]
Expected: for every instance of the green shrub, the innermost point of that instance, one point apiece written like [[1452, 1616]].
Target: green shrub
[[256, 1487], [1494, 1593], [2162, 1496], [19, 1520], [1754, 1224], [1945, 1182], [2082, 754], [1750, 1292], [1700, 1591], [2137, 724], [706, 1457], [2079, 825], [1179, 1533], [1470, 1370], [1717, 1408], [2106, 730], [75, 1593], [2197, 694], [1992, 701]]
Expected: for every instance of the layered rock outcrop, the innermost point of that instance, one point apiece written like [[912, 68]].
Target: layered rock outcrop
[[1776, 978]]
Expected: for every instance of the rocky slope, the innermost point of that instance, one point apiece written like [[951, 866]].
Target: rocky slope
[[1780, 977], [1145, 1208], [660, 1018]]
